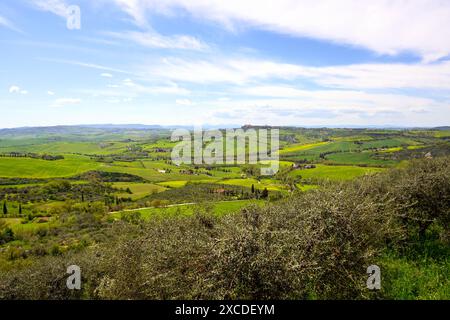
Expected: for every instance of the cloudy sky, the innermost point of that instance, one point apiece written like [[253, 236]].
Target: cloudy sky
[[284, 62]]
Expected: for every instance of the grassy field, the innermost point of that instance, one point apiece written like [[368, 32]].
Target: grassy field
[[65, 147], [51, 209], [302, 147], [173, 184], [18, 227], [358, 158], [270, 184], [139, 190], [335, 172], [218, 208], [152, 174], [36, 168], [394, 149], [352, 150]]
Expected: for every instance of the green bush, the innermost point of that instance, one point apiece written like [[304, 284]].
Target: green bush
[[314, 245]]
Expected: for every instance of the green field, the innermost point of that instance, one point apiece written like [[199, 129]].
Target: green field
[[218, 208], [116, 189], [335, 172], [63, 147], [139, 190], [18, 227], [270, 184], [358, 158], [302, 147], [173, 184], [36, 168]]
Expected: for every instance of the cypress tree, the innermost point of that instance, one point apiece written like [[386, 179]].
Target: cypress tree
[[265, 193], [5, 208]]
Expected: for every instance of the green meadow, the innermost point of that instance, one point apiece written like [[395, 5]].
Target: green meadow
[[111, 191], [336, 172], [218, 208], [137, 190], [71, 165]]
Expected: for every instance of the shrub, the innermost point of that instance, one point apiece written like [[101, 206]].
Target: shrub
[[312, 245], [422, 195]]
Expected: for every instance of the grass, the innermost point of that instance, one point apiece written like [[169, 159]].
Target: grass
[[139, 190], [389, 143], [152, 174], [62, 147], [20, 186], [302, 147], [442, 134], [218, 208], [353, 138], [421, 272], [347, 150], [173, 184], [358, 158], [423, 280], [335, 172], [415, 147], [341, 146], [270, 184], [393, 149], [36, 168], [17, 226]]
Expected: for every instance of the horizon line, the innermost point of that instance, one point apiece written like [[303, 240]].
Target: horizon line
[[206, 125]]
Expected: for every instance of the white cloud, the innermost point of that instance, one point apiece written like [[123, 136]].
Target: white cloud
[[242, 71], [170, 88], [16, 89], [136, 9], [286, 97], [153, 39], [219, 71], [385, 27], [65, 101], [327, 108], [128, 83], [8, 24], [378, 76], [129, 89], [353, 102], [58, 7], [50, 93], [106, 75], [184, 102], [113, 100], [86, 65]]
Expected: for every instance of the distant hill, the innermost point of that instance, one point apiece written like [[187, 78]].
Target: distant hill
[[89, 129], [77, 130]]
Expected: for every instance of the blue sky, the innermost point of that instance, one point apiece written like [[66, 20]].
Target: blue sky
[[286, 62]]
